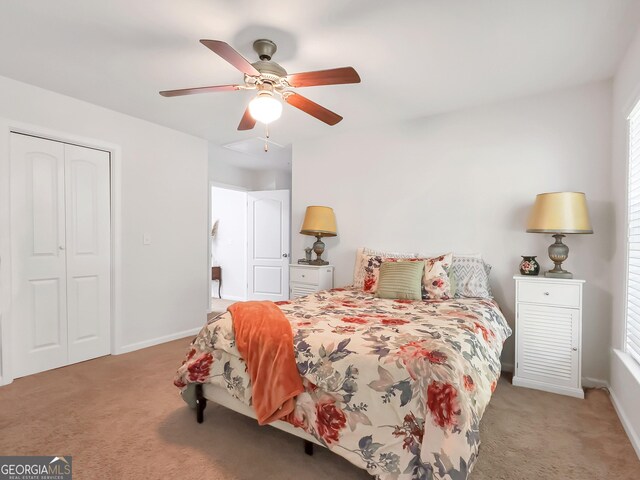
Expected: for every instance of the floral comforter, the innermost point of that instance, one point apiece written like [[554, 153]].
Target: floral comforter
[[397, 387]]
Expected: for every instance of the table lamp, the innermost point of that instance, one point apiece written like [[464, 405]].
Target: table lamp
[[319, 222], [559, 213]]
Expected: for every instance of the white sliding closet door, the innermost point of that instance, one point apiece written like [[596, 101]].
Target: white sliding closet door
[[60, 237]]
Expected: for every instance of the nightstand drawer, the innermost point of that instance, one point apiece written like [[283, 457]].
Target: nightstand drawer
[[305, 275], [549, 293]]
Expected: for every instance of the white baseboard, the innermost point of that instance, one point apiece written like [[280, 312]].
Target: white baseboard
[[525, 382], [589, 382], [631, 433], [157, 341]]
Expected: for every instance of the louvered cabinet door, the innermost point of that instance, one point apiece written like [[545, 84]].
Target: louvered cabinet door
[[548, 335], [302, 290], [548, 344]]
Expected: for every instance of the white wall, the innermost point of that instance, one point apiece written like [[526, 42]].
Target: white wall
[[464, 182], [223, 171], [229, 246], [163, 174], [273, 180], [625, 372]]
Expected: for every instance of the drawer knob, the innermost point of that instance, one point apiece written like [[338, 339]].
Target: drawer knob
[[575, 349], [302, 276], [546, 293]]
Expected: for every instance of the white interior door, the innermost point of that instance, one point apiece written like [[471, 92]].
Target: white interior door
[[88, 252], [268, 215], [39, 297], [60, 237]]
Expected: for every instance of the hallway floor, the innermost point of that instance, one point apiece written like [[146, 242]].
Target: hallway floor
[[219, 304]]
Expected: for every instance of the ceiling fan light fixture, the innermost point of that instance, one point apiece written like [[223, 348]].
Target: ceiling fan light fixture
[[268, 78], [265, 108]]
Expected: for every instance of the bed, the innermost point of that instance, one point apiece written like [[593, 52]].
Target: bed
[[397, 387]]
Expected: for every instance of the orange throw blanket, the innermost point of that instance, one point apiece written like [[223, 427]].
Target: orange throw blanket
[[265, 340]]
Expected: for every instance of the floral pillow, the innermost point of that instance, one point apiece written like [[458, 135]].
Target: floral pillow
[[370, 269], [368, 262], [436, 284], [435, 281], [364, 266], [367, 272]]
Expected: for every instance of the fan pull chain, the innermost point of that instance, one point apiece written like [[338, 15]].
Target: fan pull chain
[[266, 140]]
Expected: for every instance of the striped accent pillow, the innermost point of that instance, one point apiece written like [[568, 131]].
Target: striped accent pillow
[[400, 280]]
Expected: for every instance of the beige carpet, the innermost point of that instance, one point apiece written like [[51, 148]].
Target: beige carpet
[[120, 417]]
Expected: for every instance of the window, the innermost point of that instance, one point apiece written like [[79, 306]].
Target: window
[[632, 331]]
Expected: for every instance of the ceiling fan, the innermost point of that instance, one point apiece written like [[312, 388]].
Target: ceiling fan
[[271, 80]]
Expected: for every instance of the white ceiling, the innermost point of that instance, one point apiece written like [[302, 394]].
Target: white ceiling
[[416, 57], [255, 157]]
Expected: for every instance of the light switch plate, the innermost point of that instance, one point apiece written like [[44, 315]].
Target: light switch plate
[[146, 239]]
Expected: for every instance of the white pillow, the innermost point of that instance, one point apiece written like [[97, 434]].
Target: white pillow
[[383, 253], [459, 255]]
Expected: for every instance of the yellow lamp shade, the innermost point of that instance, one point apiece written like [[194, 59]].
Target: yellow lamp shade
[[560, 212], [319, 222]]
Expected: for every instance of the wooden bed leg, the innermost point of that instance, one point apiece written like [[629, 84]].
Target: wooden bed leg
[[201, 403], [308, 447]]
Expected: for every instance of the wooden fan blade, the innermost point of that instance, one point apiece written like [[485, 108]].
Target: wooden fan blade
[[191, 91], [247, 122], [312, 108], [335, 76], [230, 55]]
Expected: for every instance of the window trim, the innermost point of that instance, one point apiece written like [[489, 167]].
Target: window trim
[[635, 112]]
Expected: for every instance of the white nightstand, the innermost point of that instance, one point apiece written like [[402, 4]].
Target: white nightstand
[[549, 334], [307, 279]]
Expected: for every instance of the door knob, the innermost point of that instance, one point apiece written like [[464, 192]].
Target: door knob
[[285, 255]]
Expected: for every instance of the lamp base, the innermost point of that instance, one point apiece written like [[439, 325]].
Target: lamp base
[[318, 261], [558, 253], [561, 274], [318, 248]]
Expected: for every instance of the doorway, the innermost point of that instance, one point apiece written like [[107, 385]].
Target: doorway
[[228, 245], [249, 245]]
